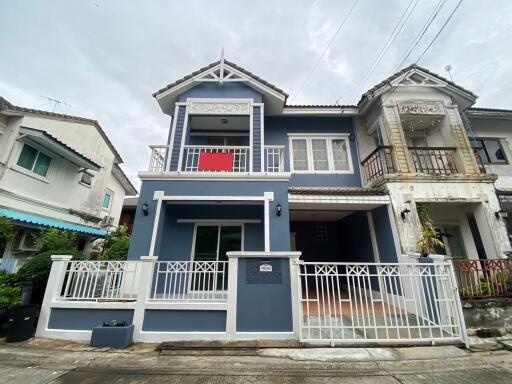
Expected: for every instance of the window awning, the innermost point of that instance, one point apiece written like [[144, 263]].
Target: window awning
[[54, 145], [47, 222]]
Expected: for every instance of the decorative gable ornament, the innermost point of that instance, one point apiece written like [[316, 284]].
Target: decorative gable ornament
[[420, 107], [417, 78]]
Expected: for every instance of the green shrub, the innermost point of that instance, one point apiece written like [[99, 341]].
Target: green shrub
[[6, 231], [10, 296], [116, 245], [54, 239]]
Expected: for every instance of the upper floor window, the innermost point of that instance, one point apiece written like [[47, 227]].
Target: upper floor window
[[327, 154], [34, 160], [86, 179], [491, 150], [107, 199], [231, 141]]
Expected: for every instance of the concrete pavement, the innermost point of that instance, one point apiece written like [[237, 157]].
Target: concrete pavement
[[41, 361]]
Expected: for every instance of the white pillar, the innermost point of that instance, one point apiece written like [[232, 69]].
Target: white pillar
[[146, 266], [232, 297], [53, 288], [158, 196], [296, 293], [268, 197]]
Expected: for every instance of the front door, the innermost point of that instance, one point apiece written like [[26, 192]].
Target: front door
[[211, 244]]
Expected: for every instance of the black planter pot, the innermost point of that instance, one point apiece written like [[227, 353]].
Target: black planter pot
[[21, 323]]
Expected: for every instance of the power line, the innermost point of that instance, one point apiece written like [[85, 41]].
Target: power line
[[306, 79], [418, 38], [391, 38]]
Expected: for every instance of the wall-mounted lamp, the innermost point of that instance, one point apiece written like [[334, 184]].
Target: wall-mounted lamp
[[279, 209], [352, 137], [501, 214], [145, 208], [404, 213]]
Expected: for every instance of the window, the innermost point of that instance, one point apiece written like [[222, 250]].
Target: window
[[231, 141], [320, 154], [321, 232], [34, 161], [107, 199], [86, 179], [490, 150]]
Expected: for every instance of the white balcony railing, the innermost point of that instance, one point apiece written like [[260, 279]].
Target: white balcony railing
[[192, 153], [158, 158], [274, 158], [190, 281]]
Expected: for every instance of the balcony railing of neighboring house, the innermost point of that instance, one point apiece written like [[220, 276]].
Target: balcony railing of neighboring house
[[158, 158], [434, 160], [100, 281], [274, 158], [198, 158], [190, 281], [378, 163], [486, 278], [479, 161], [8, 265]]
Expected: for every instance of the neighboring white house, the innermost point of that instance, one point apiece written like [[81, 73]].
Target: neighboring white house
[[56, 171]]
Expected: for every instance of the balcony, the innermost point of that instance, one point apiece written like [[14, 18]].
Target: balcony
[[434, 160], [378, 163], [217, 159]]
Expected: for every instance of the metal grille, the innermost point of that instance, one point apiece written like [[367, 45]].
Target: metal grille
[[356, 302], [100, 280], [484, 278], [274, 158], [158, 158], [191, 157], [479, 161], [434, 160], [190, 281], [378, 163]]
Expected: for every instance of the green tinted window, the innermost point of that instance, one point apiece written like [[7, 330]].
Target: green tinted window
[[27, 157], [42, 164], [106, 201]]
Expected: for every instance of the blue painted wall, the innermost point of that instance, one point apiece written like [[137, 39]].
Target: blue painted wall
[[264, 307], [256, 139], [184, 321], [224, 91], [276, 133], [180, 122], [143, 225], [384, 235], [86, 319]]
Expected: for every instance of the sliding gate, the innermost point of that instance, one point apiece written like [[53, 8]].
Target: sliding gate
[[379, 302]]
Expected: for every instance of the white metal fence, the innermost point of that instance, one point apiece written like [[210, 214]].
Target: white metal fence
[[190, 281], [192, 152], [158, 158], [379, 302], [274, 158], [100, 280]]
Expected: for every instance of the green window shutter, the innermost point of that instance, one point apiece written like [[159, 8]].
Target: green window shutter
[[27, 157], [106, 201], [42, 164]]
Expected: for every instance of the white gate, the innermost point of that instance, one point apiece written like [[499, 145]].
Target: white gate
[[379, 302]]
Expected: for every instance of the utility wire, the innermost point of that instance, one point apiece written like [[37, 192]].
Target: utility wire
[[390, 40], [306, 79], [439, 6]]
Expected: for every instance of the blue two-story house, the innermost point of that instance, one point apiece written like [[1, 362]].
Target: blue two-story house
[[253, 223]]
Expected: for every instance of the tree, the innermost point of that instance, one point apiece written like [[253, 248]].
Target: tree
[[116, 245], [6, 232], [429, 238]]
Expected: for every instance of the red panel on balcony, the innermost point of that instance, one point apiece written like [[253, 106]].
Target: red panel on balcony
[[215, 162]]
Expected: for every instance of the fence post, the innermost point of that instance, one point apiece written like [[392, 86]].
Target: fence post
[[147, 264], [53, 289], [232, 297], [296, 295], [458, 304]]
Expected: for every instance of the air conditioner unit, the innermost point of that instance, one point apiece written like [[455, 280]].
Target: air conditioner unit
[[26, 241], [106, 221]]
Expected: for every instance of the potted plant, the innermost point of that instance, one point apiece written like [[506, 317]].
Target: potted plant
[[429, 237]]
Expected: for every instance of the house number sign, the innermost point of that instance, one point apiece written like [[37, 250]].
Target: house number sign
[[266, 268], [263, 271]]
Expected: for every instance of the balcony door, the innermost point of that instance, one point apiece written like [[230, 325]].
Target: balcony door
[[211, 243]]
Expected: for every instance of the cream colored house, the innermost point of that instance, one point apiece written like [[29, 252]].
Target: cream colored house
[[416, 142], [56, 171]]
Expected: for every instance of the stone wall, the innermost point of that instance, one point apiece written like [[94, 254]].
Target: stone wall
[[490, 313]]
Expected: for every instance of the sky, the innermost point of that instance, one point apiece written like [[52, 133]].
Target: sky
[[104, 59]]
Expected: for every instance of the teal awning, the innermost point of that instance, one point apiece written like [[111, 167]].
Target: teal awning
[[47, 222]]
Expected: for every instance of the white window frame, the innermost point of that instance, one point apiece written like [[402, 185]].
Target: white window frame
[[30, 172], [329, 138]]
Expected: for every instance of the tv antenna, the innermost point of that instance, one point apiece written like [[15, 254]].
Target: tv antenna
[[56, 103]]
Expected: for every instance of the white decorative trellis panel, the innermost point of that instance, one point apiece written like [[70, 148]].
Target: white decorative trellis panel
[[100, 281], [274, 158], [158, 158], [379, 302], [190, 281]]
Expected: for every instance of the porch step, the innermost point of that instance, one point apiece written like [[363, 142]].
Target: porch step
[[222, 348]]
